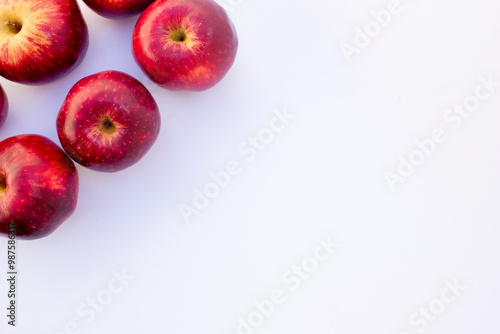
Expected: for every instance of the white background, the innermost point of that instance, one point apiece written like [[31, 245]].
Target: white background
[[321, 177]]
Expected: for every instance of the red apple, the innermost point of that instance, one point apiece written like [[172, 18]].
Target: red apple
[[4, 106], [117, 9], [38, 186], [108, 121], [40, 40], [184, 44]]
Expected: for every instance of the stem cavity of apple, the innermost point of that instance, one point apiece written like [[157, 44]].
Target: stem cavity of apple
[[106, 126], [178, 35], [3, 184], [14, 27]]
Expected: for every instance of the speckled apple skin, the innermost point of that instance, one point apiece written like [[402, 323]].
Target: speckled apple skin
[[128, 104], [196, 65], [41, 186], [51, 43], [113, 9], [4, 106]]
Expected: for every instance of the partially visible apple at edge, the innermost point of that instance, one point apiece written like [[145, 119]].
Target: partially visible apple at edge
[[4, 106], [38, 186], [113, 9], [41, 40]]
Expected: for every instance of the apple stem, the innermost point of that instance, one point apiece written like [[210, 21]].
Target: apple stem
[[15, 27]]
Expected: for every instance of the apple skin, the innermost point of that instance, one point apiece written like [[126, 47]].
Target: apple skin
[[52, 40], [38, 186], [4, 106], [108, 121], [113, 9], [184, 44]]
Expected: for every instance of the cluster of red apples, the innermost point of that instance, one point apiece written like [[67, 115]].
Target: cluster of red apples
[[108, 120]]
